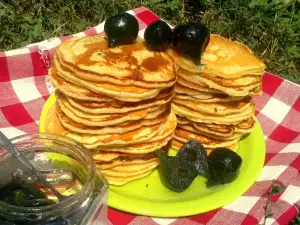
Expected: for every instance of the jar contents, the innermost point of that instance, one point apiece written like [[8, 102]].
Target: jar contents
[[20, 194], [25, 190]]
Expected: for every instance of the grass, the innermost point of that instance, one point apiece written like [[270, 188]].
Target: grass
[[270, 27]]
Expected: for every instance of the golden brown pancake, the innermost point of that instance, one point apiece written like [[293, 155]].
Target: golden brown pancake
[[99, 119], [163, 98], [93, 141], [141, 135], [214, 98], [137, 170], [256, 91], [196, 86], [123, 167], [140, 148], [233, 136], [223, 58], [70, 124], [106, 157], [220, 130], [246, 126], [208, 142], [216, 108], [128, 93], [183, 120], [75, 91], [242, 86], [127, 160], [126, 169], [179, 89], [196, 116], [53, 125], [130, 64]]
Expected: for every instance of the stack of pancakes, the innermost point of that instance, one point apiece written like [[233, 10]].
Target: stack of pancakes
[[213, 101], [116, 102]]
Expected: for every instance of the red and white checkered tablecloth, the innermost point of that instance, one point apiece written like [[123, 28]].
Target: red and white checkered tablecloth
[[25, 87]]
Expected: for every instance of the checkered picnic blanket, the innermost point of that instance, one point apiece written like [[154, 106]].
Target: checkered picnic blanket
[[24, 88]]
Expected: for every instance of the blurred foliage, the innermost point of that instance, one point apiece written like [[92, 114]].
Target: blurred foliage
[[270, 27]]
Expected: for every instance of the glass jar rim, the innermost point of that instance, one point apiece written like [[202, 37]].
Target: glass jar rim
[[90, 175]]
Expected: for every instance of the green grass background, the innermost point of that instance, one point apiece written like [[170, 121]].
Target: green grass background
[[270, 27]]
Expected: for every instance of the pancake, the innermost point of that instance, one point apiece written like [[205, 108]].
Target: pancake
[[53, 125], [155, 111], [131, 64], [119, 128], [166, 130], [136, 136], [208, 142], [120, 162], [92, 141], [179, 89], [256, 91], [238, 87], [224, 58], [140, 148], [246, 126], [191, 128], [199, 86], [216, 108], [234, 87], [183, 120], [75, 91], [122, 107], [214, 98], [207, 118], [220, 130], [122, 171], [141, 135], [104, 157], [120, 92], [133, 167], [107, 156], [100, 119]]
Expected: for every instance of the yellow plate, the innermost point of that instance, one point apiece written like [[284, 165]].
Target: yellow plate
[[149, 197]]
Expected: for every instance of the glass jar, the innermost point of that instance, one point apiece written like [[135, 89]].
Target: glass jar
[[70, 168]]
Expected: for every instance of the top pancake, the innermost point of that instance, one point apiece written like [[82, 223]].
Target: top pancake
[[223, 58], [91, 59]]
